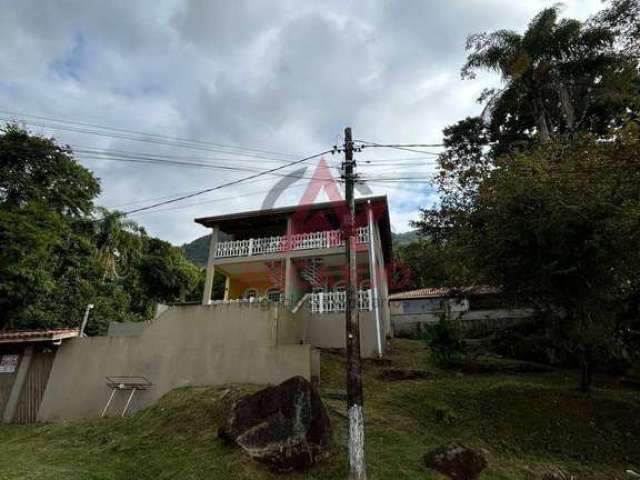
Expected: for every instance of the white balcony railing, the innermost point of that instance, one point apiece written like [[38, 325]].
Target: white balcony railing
[[298, 241], [328, 302]]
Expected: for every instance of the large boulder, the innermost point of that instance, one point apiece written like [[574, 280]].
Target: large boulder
[[285, 426], [456, 461]]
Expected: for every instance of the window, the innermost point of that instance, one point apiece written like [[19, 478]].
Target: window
[[251, 293], [274, 294]]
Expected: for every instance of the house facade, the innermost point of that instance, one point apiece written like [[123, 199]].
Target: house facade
[[295, 256], [284, 273]]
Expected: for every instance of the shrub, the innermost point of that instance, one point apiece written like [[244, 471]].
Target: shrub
[[444, 339]]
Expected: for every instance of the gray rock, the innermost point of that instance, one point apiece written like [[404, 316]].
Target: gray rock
[[456, 461], [285, 426]]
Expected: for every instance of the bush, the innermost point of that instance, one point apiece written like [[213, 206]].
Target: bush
[[444, 339]]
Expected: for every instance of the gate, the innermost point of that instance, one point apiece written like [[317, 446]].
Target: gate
[[34, 386]]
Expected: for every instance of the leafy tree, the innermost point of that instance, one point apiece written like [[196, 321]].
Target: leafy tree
[[565, 235], [166, 274], [560, 76], [435, 265], [540, 192], [36, 170], [58, 253], [623, 17]]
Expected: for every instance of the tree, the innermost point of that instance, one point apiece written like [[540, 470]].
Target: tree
[[435, 265], [58, 252], [565, 236], [36, 170], [118, 241], [560, 77], [540, 191], [623, 17]]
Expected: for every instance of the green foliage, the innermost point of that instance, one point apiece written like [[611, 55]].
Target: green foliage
[[56, 257], [434, 265], [444, 340], [540, 193]]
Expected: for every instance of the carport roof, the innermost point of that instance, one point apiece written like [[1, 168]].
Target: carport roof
[[46, 335]]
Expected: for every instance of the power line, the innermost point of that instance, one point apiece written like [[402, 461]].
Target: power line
[[213, 200], [228, 184], [409, 147], [155, 139]]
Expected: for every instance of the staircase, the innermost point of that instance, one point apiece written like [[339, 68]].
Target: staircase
[[312, 272], [275, 273]]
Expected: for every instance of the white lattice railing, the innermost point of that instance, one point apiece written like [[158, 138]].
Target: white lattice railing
[[328, 302], [298, 241]]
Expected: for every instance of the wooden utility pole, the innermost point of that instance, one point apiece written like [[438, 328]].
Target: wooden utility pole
[[357, 466]]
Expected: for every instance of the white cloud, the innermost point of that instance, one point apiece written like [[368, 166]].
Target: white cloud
[[284, 76]]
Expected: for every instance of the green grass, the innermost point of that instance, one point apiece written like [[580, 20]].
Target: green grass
[[529, 423]]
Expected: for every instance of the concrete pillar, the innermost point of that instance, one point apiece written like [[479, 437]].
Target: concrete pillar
[[18, 384], [227, 286], [288, 283], [208, 283], [373, 274]]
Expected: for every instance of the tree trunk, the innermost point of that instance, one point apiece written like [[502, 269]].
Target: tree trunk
[[567, 108], [545, 136]]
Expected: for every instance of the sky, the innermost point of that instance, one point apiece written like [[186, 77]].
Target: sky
[[276, 80]]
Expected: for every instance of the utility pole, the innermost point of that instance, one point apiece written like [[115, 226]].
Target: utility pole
[[357, 466]]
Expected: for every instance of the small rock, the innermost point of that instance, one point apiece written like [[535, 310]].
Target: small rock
[[456, 461], [285, 426], [396, 374]]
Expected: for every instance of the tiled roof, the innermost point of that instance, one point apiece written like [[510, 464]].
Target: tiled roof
[[8, 336], [445, 292]]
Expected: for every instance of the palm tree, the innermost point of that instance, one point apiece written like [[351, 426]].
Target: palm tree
[[118, 241], [554, 73]]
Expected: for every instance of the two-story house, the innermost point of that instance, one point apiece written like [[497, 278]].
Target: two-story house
[[296, 256]]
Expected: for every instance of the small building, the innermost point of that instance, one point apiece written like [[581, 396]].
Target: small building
[[26, 358], [474, 308]]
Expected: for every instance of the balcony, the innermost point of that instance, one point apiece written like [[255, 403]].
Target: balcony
[[282, 243], [331, 302]]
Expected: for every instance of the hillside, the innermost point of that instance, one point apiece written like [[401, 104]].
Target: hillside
[[400, 239], [529, 423], [198, 250]]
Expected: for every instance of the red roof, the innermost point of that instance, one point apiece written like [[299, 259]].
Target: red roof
[[54, 334], [445, 292]]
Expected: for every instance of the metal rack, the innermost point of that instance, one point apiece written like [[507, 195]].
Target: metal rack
[[124, 383]]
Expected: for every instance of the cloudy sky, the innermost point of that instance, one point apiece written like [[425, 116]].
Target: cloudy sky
[[276, 80]]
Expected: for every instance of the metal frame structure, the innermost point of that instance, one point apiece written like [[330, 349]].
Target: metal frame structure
[[124, 383]]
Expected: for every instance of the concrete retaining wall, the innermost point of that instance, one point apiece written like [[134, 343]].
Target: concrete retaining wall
[[328, 330], [185, 346]]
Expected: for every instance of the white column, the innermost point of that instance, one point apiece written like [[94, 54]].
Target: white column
[[208, 283], [373, 273]]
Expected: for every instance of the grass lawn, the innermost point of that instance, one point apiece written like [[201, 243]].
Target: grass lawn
[[529, 423]]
